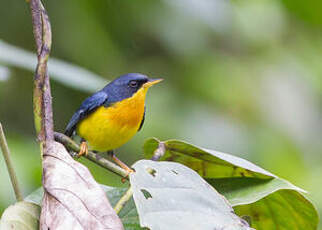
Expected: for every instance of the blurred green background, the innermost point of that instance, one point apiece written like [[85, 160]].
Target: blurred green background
[[242, 77]]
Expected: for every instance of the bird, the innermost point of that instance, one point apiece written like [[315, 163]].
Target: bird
[[112, 116]]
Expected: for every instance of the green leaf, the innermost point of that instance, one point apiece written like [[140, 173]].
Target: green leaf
[[36, 196], [208, 163], [22, 215], [171, 196], [269, 201], [245, 190], [128, 214]]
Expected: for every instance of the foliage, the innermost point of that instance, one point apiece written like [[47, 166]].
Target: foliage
[[170, 194], [253, 191]]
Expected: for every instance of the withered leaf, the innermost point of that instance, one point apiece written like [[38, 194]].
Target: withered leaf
[[72, 199]]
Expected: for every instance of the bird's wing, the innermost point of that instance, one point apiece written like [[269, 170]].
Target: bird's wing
[[142, 122], [88, 106]]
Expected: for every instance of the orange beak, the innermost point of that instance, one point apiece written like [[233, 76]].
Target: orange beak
[[152, 81]]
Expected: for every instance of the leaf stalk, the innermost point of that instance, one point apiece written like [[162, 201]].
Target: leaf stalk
[[124, 199]]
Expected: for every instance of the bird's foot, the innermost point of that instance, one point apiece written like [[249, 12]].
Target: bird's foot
[[83, 149], [122, 165], [128, 172]]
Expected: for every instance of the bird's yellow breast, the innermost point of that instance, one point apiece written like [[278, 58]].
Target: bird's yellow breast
[[110, 127]]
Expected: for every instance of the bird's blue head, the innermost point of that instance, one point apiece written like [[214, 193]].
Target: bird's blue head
[[127, 85]]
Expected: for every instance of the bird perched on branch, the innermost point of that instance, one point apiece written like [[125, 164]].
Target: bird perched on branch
[[111, 117]]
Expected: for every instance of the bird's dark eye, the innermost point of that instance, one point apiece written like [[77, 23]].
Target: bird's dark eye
[[133, 84]]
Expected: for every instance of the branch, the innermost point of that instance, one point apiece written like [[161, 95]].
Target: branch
[[11, 171], [43, 114], [96, 158]]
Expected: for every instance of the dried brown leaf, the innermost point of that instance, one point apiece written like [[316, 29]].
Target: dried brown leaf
[[73, 199]]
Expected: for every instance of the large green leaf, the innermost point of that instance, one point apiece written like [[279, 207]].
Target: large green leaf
[[208, 163], [169, 195], [128, 214], [20, 216], [269, 201]]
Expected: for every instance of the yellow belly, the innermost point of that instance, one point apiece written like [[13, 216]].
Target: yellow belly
[[109, 128]]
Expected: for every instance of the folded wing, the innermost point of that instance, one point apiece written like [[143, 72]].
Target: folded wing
[[88, 106]]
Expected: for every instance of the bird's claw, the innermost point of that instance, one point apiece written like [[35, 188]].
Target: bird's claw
[[83, 149], [128, 172]]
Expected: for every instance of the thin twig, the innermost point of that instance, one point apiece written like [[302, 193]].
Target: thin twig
[[96, 158], [6, 154], [124, 199]]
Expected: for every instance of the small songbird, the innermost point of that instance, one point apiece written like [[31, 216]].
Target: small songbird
[[111, 117]]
